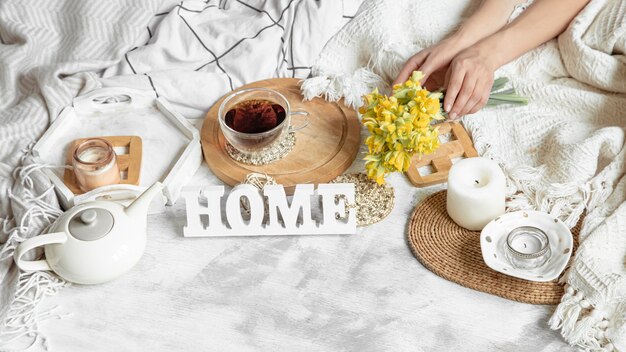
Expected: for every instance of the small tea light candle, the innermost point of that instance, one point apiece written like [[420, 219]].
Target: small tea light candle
[[476, 192], [527, 247]]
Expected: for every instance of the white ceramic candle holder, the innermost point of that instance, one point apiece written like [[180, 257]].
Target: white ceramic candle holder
[[532, 262]]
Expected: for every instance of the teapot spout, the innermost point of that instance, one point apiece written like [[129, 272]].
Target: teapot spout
[[138, 209]]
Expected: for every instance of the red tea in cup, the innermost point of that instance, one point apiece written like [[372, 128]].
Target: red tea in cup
[[255, 116]]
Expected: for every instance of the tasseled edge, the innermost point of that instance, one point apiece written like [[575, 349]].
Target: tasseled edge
[[351, 88], [19, 325], [567, 201], [581, 324], [528, 190]]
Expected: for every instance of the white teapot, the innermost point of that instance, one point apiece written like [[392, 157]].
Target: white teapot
[[93, 242]]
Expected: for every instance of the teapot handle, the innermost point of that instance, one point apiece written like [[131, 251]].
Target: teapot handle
[[34, 242]]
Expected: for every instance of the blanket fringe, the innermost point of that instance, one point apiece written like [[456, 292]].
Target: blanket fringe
[[527, 188], [21, 318], [580, 323], [567, 201], [351, 88]]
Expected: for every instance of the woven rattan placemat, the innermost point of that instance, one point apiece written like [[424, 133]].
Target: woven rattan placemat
[[453, 253]]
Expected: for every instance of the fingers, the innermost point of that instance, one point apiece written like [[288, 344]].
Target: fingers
[[479, 97], [411, 65], [468, 87], [464, 96], [427, 68], [476, 107], [468, 79], [431, 65], [454, 82]]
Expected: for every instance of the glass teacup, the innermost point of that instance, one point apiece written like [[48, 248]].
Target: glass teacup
[[252, 143]]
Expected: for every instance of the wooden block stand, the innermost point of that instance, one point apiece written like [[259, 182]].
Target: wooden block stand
[[441, 161]]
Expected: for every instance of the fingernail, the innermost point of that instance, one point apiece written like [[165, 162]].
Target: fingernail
[[448, 107], [453, 116]]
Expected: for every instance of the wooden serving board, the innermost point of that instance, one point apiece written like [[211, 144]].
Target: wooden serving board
[[129, 164], [460, 145], [323, 150]]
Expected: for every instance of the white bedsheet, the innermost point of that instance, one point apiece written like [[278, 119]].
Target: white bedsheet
[[202, 50], [364, 292]]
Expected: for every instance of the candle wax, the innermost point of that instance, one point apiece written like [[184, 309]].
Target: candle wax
[[526, 244], [476, 192], [92, 155]]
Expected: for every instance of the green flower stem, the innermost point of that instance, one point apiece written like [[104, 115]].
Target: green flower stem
[[506, 91], [499, 96], [499, 83], [510, 98]]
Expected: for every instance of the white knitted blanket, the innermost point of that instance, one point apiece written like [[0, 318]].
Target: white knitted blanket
[[564, 153]]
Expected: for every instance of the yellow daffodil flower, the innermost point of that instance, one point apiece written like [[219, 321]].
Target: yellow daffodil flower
[[400, 126]]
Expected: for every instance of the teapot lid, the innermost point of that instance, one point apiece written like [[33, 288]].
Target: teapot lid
[[91, 224]]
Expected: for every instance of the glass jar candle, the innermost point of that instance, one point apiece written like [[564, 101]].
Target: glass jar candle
[[95, 164], [527, 247]]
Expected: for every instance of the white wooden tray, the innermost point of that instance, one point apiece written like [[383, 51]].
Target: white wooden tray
[[171, 145]]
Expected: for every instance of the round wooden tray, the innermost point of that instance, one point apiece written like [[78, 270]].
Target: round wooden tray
[[323, 150]]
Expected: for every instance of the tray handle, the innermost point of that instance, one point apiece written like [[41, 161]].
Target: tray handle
[[104, 99]]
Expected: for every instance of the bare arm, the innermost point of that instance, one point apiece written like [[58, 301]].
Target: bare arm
[[542, 21], [490, 17], [470, 75]]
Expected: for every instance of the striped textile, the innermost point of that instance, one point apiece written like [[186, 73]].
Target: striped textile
[[201, 50]]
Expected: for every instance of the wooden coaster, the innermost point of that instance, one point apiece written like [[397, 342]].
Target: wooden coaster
[[323, 150], [460, 145], [129, 163], [454, 253]]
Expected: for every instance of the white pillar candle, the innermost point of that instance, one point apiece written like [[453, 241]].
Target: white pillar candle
[[476, 192]]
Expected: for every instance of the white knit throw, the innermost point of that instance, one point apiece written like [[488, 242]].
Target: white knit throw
[[564, 153]]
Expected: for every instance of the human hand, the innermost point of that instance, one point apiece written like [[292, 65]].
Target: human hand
[[468, 81], [433, 62]]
